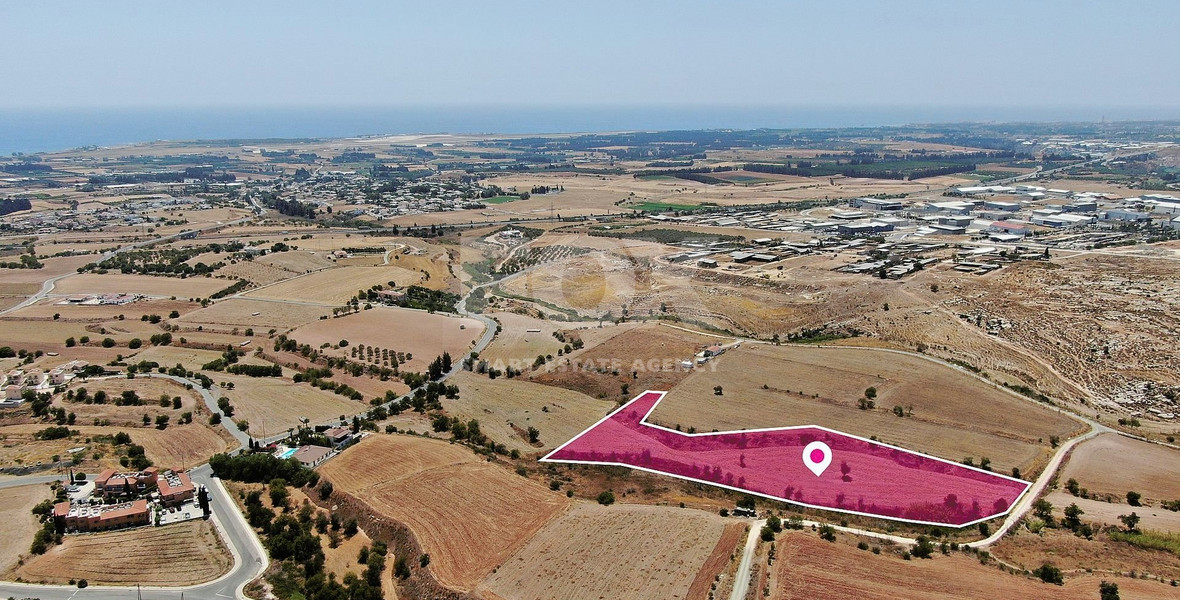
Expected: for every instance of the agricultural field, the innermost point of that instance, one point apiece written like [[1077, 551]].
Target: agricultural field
[[117, 283], [1112, 465], [382, 458], [149, 390], [950, 414], [1070, 552], [650, 552], [516, 342], [273, 405], [422, 334], [178, 446], [506, 408], [239, 312], [646, 357], [16, 504], [334, 287], [470, 516], [297, 262], [46, 309], [180, 554], [807, 567], [40, 335]]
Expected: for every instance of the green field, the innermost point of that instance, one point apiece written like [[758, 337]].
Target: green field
[[663, 206], [500, 199], [747, 179]]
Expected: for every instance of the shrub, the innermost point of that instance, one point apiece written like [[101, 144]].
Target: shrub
[[606, 498], [1049, 574]]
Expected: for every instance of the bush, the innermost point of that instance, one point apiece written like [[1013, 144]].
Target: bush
[[606, 498], [135, 343], [82, 583], [1049, 574], [108, 343]]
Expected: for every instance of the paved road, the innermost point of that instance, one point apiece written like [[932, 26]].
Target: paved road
[[741, 581], [250, 558]]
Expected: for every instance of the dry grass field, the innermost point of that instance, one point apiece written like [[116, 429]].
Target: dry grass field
[[19, 523], [111, 283], [506, 408], [239, 312], [273, 405], [379, 459], [40, 335], [646, 357], [469, 515], [258, 273], [178, 446], [626, 551], [53, 267], [297, 261], [149, 389], [45, 309], [414, 332], [1152, 518], [335, 286], [191, 358], [1113, 464], [516, 342], [808, 568], [181, 554], [953, 415], [1070, 552]]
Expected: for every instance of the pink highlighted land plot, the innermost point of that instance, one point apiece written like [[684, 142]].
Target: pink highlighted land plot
[[864, 477]]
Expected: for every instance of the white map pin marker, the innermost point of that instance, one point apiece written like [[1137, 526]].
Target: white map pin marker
[[816, 457]]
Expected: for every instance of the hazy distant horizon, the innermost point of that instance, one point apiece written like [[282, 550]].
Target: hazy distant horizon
[[48, 130]]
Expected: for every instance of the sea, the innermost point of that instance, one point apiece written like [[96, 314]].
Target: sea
[[46, 130]]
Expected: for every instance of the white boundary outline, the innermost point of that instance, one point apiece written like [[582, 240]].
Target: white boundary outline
[[644, 422]]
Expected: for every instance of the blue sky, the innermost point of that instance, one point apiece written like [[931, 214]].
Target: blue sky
[[596, 53]]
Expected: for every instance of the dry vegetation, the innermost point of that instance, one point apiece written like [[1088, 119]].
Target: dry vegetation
[[414, 332], [506, 408], [334, 287], [178, 446], [181, 554], [116, 283], [1096, 318], [808, 567], [273, 405], [627, 551], [239, 312], [1113, 464], [953, 415], [468, 515], [644, 358], [16, 504]]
